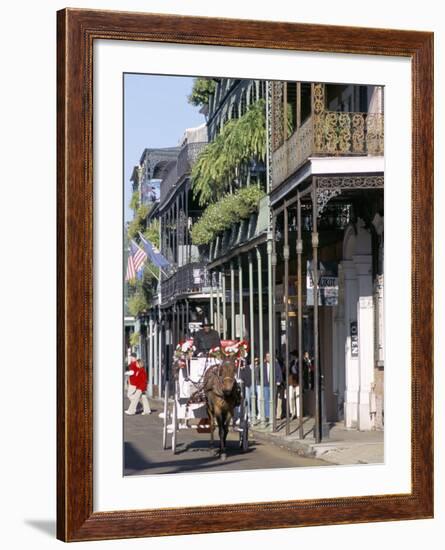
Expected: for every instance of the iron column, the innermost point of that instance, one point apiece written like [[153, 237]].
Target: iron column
[[218, 309], [252, 340], [286, 308], [240, 289], [317, 430], [211, 297], [260, 337], [272, 326], [300, 319], [224, 304], [232, 301]]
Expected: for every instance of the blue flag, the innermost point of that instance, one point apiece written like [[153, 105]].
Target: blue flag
[[153, 254]]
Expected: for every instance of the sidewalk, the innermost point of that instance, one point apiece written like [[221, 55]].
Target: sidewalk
[[343, 446]]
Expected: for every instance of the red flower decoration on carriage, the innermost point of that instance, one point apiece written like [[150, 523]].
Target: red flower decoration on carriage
[[184, 350], [235, 348]]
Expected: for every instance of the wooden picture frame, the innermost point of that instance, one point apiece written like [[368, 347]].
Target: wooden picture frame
[[77, 31]]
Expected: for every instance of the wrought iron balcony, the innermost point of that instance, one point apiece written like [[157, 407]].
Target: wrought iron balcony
[[186, 159], [329, 133], [188, 279]]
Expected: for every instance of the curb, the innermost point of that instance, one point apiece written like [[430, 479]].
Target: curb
[[294, 446]]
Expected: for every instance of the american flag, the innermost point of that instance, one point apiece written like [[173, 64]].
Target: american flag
[[131, 272], [139, 256]]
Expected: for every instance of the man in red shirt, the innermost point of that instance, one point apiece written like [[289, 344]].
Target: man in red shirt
[[137, 386]]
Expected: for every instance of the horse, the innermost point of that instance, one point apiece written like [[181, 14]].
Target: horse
[[222, 394]]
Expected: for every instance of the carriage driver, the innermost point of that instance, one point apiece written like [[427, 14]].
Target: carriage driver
[[206, 339]]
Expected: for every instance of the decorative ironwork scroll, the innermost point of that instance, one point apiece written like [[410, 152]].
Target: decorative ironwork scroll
[[350, 182], [329, 187], [277, 115], [375, 133], [318, 104], [324, 196]]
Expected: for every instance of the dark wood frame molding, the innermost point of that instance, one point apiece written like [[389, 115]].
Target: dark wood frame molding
[[77, 30]]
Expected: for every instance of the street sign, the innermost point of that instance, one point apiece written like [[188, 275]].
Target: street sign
[[327, 284]]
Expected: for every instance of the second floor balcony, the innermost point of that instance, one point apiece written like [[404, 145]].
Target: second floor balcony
[[329, 133], [186, 158], [189, 279]]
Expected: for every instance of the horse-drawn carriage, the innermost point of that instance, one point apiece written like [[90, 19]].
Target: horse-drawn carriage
[[207, 389]]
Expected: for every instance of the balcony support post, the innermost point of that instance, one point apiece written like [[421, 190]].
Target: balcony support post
[[232, 301], [150, 356], [160, 348], [155, 352], [212, 319], [218, 298], [183, 327], [260, 339], [272, 265], [187, 316], [286, 309], [240, 288], [252, 341], [300, 318], [224, 303]]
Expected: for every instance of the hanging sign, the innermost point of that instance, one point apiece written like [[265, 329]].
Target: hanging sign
[[354, 338], [327, 284]]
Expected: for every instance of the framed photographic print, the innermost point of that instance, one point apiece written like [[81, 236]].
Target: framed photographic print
[[245, 229]]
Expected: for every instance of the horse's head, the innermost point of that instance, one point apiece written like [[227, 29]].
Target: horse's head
[[227, 376]]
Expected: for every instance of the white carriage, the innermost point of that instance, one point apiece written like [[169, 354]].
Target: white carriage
[[187, 404]]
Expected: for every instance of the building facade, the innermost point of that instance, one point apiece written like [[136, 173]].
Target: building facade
[[303, 272]]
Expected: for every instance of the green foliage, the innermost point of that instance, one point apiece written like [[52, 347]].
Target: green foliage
[[240, 141], [202, 89], [143, 211], [134, 227], [138, 222], [134, 202], [137, 303], [152, 233], [144, 290], [134, 338], [221, 215]]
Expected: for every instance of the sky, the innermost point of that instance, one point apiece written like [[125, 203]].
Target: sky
[[156, 113]]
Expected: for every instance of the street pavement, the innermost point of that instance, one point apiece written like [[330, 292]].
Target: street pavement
[[143, 452]]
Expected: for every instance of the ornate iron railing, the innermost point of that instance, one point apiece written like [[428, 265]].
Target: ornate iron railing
[[329, 133], [189, 279]]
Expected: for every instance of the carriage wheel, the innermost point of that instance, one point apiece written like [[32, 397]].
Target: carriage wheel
[[164, 431], [244, 431]]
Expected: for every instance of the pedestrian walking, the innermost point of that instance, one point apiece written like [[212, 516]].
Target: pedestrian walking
[[294, 386], [137, 386], [279, 387]]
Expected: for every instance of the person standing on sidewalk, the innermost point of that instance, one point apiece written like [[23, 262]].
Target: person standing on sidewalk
[[137, 386], [294, 386]]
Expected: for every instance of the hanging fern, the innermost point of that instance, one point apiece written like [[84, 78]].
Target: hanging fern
[[152, 232], [134, 338], [240, 141], [221, 215], [134, 202]]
